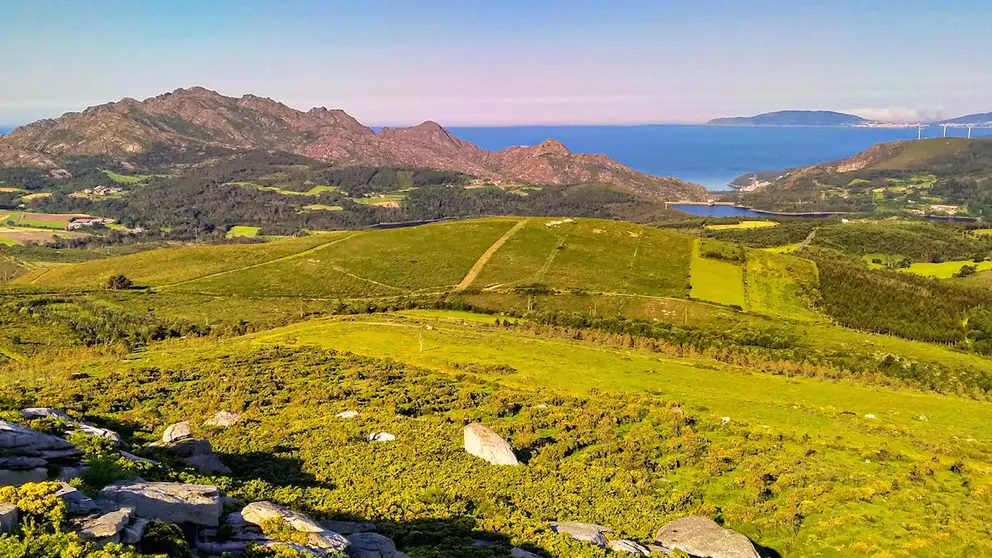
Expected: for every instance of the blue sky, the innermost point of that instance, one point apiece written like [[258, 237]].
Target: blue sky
[[506, 62]]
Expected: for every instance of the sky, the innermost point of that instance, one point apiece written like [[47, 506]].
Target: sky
[[506, 62]]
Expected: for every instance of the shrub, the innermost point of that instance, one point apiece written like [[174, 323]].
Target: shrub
[[119, 283]]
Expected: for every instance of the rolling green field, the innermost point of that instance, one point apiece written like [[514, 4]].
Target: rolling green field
[[717, 281], [126, 178], [322, 207], [861, 465], [172, 265], [944, 270], [242, 230]]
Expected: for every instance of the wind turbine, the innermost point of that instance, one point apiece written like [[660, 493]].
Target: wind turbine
[[945, 130], [919, 131], [970, 126]]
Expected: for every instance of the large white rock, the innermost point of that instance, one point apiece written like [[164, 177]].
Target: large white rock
[[171, 502], [702, 537], [595, 534], [381, 437], [8, 518], [258, 512], [488, 445], [176, 432]]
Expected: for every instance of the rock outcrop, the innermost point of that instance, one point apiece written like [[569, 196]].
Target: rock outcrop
[[588, 532], [106, 528], [196, 452], [26, 455], [76, 502], [488, 445], [166, 501], [258, 513], [701, 537]]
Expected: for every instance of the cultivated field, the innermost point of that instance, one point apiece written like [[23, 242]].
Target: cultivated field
[[242, 230]]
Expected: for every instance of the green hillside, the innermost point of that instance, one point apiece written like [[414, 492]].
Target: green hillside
[[641, 374]]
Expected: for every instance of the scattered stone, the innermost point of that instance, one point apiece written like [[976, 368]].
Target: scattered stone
[[171, 502], [923, 418], [595, 534], [223, 419], [176, 432], [106, 528], [381, 437], [488, 446], [348, 527], [517, 552], [702, 537], [258, 512], [630, 547], [196, 453], [370, 545], [76, 502], [8, 518], [724, 420], [133, 533], [347, 414], [86, 428], [870, 416]]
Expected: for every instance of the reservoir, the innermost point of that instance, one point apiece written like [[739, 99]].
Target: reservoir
[[727, 210]]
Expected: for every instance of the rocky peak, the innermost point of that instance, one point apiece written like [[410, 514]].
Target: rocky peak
[[428, 133], [551, 146]]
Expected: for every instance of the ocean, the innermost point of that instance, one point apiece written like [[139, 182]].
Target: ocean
[[709, 155]]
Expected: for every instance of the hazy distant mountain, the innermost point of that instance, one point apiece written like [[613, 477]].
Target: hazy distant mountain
[[197, 118], [980, 118], [792, 118]]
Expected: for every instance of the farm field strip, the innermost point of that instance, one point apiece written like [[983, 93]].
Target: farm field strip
[[944, 270], [717, 281]]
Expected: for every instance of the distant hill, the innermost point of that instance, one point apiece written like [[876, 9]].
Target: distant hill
[[932, 176], [978, 118], [791, 118], [173, 124]]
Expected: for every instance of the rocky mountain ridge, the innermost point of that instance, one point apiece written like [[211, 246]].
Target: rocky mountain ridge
[[197, 117]]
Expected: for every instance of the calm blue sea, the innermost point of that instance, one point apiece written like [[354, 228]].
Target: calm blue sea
[[708, 155]]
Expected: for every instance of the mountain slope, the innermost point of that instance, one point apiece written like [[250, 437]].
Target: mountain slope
[[791, 118], [978, 118], [940, 175], [195, 118]]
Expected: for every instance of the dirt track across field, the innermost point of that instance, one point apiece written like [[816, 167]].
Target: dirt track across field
[[484, 258]]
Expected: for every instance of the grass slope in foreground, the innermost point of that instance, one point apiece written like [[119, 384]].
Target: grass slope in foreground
[[619, 436]]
